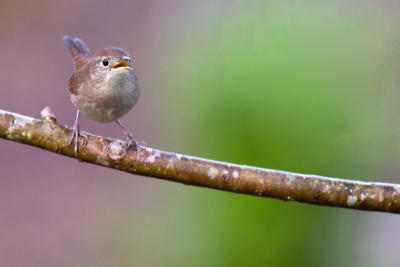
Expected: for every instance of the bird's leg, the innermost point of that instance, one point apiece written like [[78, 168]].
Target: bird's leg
[[75, 134], [129, 138]]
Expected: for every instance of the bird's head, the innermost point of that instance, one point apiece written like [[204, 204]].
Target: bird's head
[[112, 61]]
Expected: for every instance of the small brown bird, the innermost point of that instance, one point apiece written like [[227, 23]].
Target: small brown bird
[[103, 87]]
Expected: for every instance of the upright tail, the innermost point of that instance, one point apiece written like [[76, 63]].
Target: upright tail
[[79, 51]]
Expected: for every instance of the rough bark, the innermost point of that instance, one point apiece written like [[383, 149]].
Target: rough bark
[[112, 153]]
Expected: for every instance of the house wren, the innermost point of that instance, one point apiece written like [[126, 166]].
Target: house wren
[[103, 87]]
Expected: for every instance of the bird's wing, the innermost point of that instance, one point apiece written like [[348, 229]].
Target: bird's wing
[[79, 51], [75, 81]]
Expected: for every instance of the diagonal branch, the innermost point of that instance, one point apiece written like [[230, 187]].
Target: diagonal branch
[[48, 134]]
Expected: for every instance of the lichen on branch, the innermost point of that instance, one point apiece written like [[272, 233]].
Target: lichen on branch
[[48, 134]]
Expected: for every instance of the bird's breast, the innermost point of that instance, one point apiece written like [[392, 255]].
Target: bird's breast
[[108, 97]]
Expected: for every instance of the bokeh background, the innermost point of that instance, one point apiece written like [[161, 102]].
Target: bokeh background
[[305, 86]]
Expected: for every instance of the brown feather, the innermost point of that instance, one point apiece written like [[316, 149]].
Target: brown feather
[[79, 51], [75, 81]]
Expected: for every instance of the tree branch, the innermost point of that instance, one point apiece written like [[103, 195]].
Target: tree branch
[[48, 134]]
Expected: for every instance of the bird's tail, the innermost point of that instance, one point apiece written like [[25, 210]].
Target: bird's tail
[[79, 51]]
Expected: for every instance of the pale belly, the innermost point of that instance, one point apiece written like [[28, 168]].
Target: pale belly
[[108, 102]]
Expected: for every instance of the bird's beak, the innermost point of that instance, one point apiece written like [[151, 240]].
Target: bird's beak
[[123, 64]]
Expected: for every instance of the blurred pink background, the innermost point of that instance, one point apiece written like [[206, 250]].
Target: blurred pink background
[[51, 206]]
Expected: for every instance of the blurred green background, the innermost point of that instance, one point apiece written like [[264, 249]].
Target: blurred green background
[[304, 86]]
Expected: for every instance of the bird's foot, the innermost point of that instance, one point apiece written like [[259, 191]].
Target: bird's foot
[[131, 142], [75, 136]]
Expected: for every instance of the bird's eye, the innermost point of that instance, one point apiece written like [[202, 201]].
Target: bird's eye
[[104, 61]]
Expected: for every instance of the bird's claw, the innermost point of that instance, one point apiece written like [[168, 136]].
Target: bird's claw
[[131, 142], [85, 139]]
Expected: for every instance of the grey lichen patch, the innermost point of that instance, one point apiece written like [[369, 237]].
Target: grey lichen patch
[[380, 198], [397, 189], [103, 161], [171, 163], [212, 173], [21, 121], [16, 123], [290, 178], [351, 200], [153, 156], [10, 132], [116, 150], [47, 114], [327, 188]]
